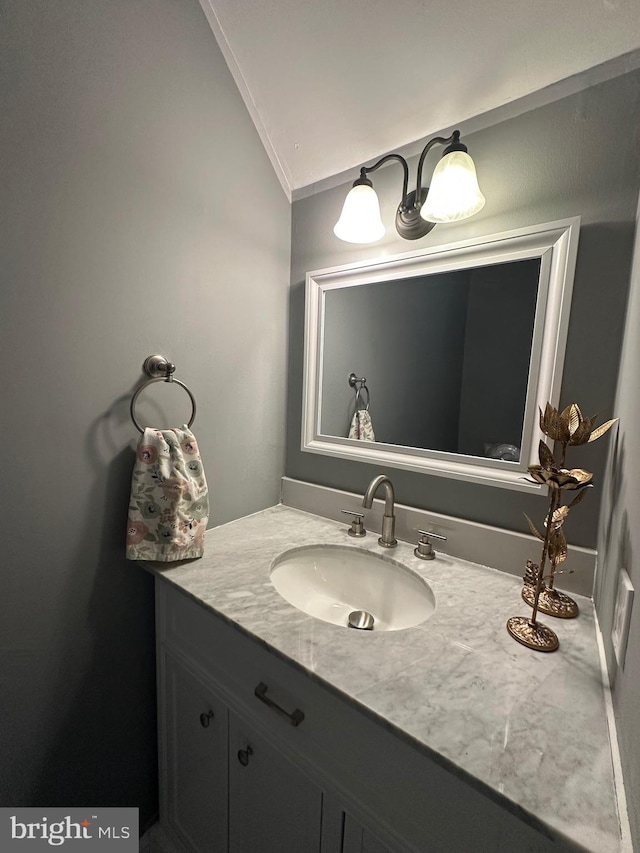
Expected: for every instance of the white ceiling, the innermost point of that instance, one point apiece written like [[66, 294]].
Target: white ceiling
[[333, 84]]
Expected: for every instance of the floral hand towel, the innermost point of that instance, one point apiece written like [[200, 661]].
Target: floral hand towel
[[361, 426], [169, 504]]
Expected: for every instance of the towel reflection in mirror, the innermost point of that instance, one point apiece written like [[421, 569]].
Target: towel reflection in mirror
[[361, 427]]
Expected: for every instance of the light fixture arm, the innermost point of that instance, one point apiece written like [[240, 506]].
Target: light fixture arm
[[405, 167]]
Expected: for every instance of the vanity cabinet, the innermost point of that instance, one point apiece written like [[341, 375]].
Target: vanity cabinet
[[273, 807], [355, 839], [225, 788], [194, 750], [237, 776]]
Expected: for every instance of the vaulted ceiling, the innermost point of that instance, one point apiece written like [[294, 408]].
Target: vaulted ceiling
[[333, 84]]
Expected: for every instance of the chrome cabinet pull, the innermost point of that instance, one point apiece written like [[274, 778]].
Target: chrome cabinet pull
[[205, 719], [295, 717], [243, 755]]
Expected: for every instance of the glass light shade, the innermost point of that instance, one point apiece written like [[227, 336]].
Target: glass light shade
[[360, 220], [454, 192]]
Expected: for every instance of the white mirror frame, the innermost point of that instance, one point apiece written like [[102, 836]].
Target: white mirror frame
[[555, 244]]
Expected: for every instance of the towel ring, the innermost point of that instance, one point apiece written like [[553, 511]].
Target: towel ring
[[160, 370], [360, 399], [362, 386]]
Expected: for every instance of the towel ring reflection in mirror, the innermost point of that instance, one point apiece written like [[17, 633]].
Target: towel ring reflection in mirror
[[160, 370], [361, 386]]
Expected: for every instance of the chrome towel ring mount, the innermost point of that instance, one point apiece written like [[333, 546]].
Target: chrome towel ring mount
[[360, 384], [159, 369]]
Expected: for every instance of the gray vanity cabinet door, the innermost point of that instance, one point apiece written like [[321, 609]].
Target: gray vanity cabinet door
[[273, 807], [194, 753], [355, 839], [372, 845], [352, 836]]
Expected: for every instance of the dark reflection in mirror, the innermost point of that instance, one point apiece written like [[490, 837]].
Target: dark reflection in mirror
[[446, 357]]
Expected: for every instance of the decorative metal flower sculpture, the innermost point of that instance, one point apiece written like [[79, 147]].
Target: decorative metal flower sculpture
[[568, 428]]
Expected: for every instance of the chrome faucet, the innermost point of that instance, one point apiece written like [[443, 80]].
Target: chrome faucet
[[388, 538]]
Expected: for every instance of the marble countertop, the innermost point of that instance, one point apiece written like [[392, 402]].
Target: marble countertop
[[529, 725]]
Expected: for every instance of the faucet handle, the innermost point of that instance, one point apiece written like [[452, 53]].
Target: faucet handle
[[425, 548], [357, 527]]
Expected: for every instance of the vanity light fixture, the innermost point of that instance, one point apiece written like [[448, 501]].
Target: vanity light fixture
[[454, 194]]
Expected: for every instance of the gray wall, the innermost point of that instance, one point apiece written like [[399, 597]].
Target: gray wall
[[125, 150], [577, 156], [619, 547]]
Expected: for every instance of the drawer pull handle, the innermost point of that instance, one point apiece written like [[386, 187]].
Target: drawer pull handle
[[205, 719], [243, 755], [295, 717]]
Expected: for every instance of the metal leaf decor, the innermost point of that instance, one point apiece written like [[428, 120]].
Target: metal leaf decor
[[566, 428], [546, 456], [531, 573], [549, 422], [557, 547], [573, 416], [533, 528], [605, 427], [560, 515], [570, 427]]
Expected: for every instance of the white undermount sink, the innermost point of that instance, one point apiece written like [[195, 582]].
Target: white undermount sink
[[331, 581]]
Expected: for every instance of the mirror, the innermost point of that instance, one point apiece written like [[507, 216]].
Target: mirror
[[450, 351]]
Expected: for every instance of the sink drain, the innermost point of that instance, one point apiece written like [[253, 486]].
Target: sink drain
[[361, 619]]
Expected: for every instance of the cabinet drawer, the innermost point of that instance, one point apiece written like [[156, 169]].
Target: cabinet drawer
[[238, 664], [186, 626], [410, 798]]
